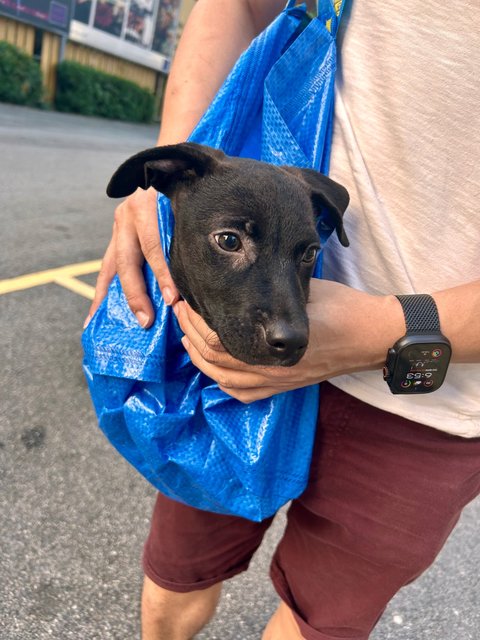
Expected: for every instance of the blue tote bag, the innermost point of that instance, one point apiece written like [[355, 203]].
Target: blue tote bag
[[173, 424]]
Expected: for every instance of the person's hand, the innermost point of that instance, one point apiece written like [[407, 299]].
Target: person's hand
[[349, 331], [135, 237]]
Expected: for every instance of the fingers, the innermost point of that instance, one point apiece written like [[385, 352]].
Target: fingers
[[240, 380], [229, 379], [135, 238], [247, 383], [204, 340], [146, 226], [105, 276], [192, 322], [129, 262], [138, 238], [250, 395]]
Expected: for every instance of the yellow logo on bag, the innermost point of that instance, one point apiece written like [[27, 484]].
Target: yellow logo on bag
[[337, 5]]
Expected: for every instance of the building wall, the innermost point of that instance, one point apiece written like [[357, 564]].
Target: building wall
[[101, 61], [49, 57], [23, 36], [19, 34]]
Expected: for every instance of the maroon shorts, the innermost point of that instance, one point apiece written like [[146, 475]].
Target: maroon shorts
[[383, 496]]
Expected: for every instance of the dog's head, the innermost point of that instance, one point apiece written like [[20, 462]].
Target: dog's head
[[245, 242]]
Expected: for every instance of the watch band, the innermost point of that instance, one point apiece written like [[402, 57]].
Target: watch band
[[421, 313]]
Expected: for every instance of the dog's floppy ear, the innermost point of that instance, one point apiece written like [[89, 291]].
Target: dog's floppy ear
[[328, 197], [163, 168]]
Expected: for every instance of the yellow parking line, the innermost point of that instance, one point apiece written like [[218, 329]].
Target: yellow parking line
[[52, 275], [77, 286]]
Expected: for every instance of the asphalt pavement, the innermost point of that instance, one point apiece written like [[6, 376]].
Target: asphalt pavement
[[74, 514]]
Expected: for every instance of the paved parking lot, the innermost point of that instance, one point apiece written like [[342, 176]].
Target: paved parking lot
[[74, 514]]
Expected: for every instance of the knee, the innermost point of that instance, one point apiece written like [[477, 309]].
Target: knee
[[282, 625], [179, 615]]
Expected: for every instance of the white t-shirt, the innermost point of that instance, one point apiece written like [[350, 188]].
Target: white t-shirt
[[407, 147]]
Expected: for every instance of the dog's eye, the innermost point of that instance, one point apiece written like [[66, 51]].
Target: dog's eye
[[310, 255], [228, 241]]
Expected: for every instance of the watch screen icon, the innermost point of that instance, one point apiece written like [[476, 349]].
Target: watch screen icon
[[405, 384], [436, 353], [428, 383]]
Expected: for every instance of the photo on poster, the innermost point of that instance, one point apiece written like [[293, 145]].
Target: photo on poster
[[82, 11], [166, 28], [109, 16], [141, 31], [140, 22]]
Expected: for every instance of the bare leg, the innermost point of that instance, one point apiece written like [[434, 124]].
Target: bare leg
[[168, 615], [282, 625]]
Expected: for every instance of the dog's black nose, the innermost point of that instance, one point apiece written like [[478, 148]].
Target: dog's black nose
[[285, 340]]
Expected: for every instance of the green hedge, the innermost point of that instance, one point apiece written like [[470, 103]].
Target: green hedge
[[20, 77], [81, 89]]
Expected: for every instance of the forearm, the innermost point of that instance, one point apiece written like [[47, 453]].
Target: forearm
[[350, 331], [367, 325], [215, 35], [459, 313]]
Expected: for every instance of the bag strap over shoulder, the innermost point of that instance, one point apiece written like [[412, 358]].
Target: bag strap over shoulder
[[339, 5], [329, 11]]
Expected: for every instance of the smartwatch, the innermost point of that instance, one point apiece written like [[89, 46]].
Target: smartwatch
[[418, 362]]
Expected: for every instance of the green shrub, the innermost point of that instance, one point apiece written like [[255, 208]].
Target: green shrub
[[81, 89], [20, 77]]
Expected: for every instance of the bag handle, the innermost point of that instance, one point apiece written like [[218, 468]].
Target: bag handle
[[338, 6], [325, 8], [330, 11]]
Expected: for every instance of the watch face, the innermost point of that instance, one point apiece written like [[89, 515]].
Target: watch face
[[420, 367]]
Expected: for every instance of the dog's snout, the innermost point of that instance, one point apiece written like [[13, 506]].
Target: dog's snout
[[285, 340]]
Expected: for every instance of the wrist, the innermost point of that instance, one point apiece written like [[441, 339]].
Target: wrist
[[351, 330], [386, 326]]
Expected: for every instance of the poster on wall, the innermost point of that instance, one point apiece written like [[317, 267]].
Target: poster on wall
[[140, 22], [52, 15], [165, 35], [143, 31]]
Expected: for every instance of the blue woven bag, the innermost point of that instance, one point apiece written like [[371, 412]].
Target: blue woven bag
[[189, 439]]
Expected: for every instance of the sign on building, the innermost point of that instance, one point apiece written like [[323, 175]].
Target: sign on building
[[143, 31], [52, 15]]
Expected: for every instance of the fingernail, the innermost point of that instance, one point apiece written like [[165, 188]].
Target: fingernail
[[87, 321], [185, 341], [142, 319], [168, 296]]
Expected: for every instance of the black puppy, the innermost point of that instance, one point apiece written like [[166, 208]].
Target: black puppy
[[245, 242]]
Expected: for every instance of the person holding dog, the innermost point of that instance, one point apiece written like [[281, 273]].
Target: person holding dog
[[391, 472]]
